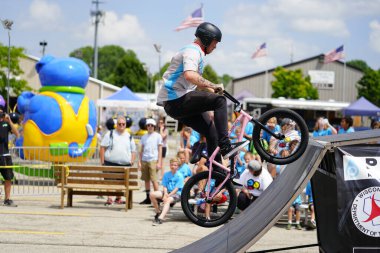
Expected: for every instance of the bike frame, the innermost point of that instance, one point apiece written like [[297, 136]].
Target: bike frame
[[243, 119]]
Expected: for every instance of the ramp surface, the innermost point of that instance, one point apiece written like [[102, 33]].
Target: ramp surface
[[242, 232]]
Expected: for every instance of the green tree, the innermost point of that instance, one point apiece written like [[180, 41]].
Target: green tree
[[130, 72], [158, 76], [109, 57], [359, 64], [210, 74], [15, 83], [292, 84], [225, 79], [369, 86], [86, 54]]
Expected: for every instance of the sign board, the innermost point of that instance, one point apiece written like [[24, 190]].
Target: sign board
[[322, 79]]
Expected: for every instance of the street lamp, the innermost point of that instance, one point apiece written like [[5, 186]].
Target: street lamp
[[158, 50], [7, 24], [43, 44]]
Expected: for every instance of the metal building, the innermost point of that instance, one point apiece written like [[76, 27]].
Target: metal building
[[335, 81]]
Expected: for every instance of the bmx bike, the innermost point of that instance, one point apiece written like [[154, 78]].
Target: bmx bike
[[209, 198]]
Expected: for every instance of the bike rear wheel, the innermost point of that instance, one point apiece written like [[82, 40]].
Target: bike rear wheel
[[295, 136], [201, 213]]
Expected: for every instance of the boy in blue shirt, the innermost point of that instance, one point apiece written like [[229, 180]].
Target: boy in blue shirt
[[172, 183]]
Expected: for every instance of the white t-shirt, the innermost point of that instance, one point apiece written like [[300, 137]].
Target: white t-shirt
[[256, 185], [119, 148], [150, 143], [175, 85]]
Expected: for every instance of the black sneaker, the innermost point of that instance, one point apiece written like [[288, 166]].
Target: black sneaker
[[145, 202], [10, 203], [229, 150], [157, 222]]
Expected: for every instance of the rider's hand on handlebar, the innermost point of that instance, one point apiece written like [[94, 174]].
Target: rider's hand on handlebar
[[218, 88]]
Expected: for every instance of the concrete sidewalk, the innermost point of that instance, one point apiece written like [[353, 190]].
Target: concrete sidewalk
[[38, 225]]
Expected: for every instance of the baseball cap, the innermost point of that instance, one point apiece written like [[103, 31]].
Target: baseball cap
[[151, 122], [286, 121], [254, 165]]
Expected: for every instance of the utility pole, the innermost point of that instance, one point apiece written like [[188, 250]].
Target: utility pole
[[7, 24], [98, 15], [43, 44]]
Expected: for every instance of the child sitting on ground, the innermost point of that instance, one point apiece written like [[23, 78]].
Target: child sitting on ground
[[296, 208], [172, 183]]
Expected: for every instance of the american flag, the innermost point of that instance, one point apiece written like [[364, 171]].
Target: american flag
[[334, 55], [261, 51], [194, 20]]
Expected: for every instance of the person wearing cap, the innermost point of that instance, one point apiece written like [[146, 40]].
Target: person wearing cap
[[255, 180], [189, 97], [150, 158], [6, 127]]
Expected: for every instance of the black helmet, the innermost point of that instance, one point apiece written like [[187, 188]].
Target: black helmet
[[128, 121], [207, 32], [142, 123], [14, 117], [110, 124]]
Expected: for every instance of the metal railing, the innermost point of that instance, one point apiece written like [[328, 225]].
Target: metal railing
[[35, 168]]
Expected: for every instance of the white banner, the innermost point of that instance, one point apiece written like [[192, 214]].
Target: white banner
[[360, 168]]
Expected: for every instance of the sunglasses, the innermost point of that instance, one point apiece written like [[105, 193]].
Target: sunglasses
[[149, 125], [121, 124]]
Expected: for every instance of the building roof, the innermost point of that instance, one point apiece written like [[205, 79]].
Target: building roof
[[320, 56]]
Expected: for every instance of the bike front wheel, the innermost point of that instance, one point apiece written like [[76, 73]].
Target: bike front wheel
[[291, 140], [195, 207]]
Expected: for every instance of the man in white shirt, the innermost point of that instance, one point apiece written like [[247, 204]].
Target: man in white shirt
[[255, 180], [117, 149]]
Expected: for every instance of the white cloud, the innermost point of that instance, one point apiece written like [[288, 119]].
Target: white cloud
[[334, 27], [125, 31], [374, 36], [44, 14]]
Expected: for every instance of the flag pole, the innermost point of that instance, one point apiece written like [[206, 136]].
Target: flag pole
[[344, 79], [266, 78]]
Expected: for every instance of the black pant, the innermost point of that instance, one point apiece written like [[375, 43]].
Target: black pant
[[243, 201], [191, 109]]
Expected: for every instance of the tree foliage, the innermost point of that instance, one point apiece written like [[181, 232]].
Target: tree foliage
[[130, 72], [369, 86], [116, 66], [16, 84], [210, 74], [292, 84], [359, 64]]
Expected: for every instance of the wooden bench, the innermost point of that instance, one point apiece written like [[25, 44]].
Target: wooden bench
[[97, 180]]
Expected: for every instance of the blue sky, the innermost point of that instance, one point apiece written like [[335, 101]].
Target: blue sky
[[309, 27]]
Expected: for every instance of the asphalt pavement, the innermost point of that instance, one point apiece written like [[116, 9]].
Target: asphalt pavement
[[39, 225]]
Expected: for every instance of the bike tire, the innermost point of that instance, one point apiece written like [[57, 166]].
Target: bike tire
[[281, 113], [226, 210]]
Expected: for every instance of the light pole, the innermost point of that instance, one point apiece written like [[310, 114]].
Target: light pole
[[43, 44], [7, 24], [97, 14], [158, 50]]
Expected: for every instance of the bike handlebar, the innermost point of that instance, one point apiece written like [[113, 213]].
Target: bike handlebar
[[230, 97]]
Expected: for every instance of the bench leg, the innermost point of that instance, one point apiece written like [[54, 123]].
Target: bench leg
[[126, 195], [70, 197], [62, 198], [130, 200]]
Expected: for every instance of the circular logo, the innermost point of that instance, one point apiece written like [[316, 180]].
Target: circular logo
[[365, 211], [256, 185]]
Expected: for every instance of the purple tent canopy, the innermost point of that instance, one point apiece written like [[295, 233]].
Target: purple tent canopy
[[362, 107]]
